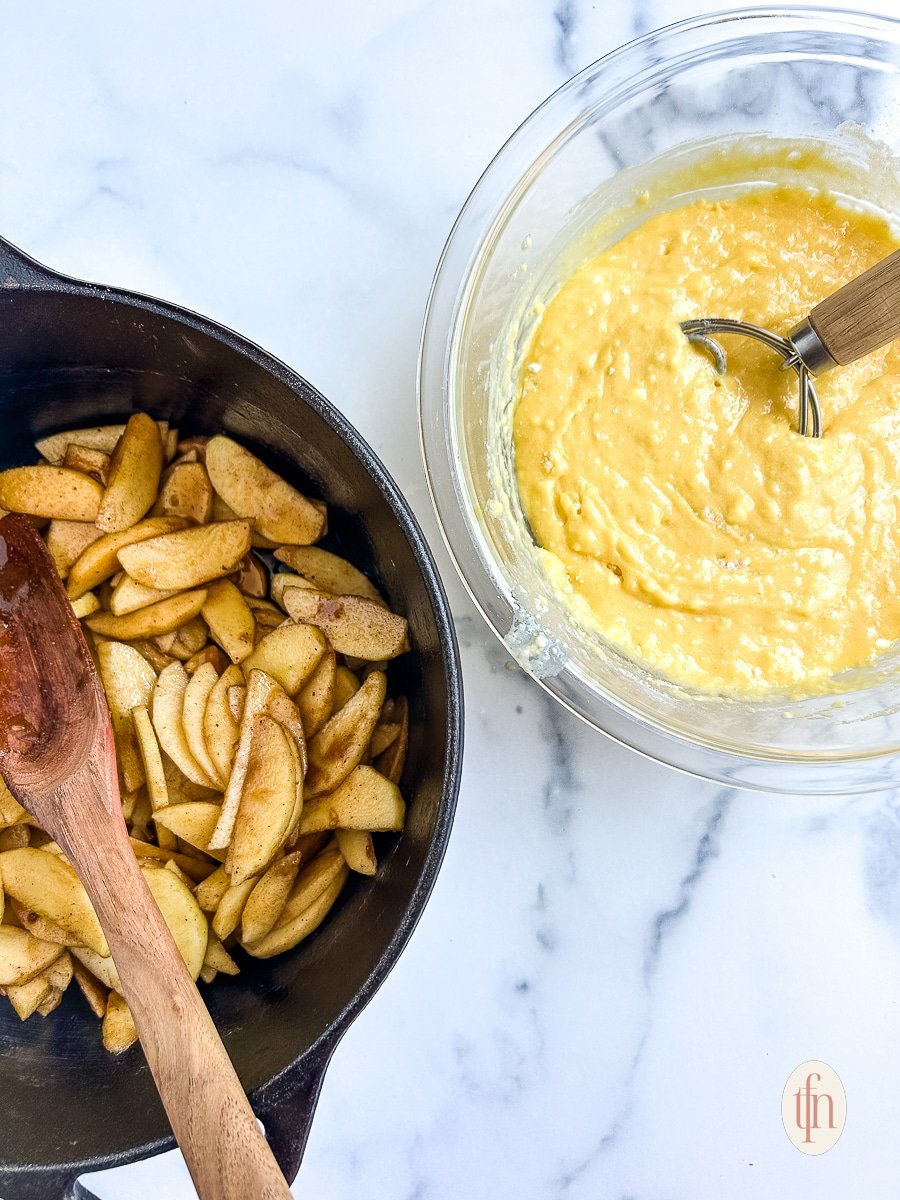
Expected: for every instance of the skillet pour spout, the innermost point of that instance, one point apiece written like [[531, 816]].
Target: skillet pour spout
[[76, 354]]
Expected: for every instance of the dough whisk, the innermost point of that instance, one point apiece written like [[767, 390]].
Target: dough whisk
[[861, 316]]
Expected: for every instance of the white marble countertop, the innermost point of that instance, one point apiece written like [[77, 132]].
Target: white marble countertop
[[619, 966]]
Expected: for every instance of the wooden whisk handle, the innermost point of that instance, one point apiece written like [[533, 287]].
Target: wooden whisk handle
[[863, 315]]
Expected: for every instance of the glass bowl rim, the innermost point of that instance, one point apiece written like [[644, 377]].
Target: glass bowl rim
[[483, 577]]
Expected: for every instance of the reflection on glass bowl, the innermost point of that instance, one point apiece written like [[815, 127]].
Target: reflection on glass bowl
[[705, 107]]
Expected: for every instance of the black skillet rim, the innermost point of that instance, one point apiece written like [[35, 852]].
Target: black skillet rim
[[286, 1102]]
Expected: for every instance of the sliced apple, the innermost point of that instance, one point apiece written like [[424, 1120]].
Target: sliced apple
[[365, 800], [182, 789], [346, 684], [279, 512], [217, 957], [91, 988], [252, 578], [231, 906], [189, 557], [97, 437], [128, 679], [384, 735], [237, 698], [128, 596], [264, 695], [284, 580], [134, 472], [55, 492], [353, 626], [196, 868], [185, 492], [392, 760], [51, 1004], [196, 695], [23, 956], [190, 639], [230, 619], [267, 800], [14, 837], [266, 902], [211, 654], [358, 850], [267, 616], [154, 771], [50, 887], [27, 998], [100, 966], [59, 973], [92, 462], [85, 605], [209, 893], [11, 811], [317, 887], [220, 728], [162, 617], [193, 822], [118, 1029], [328, 572], [343, 740], [316, 698], [47, 931], [194, 445], [167, 711], [289, 654], [149, 649], [100, 559], [182, 914], [68, 540]]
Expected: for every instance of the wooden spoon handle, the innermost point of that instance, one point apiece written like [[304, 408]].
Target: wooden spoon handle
[[227, 1156], [863, 315]]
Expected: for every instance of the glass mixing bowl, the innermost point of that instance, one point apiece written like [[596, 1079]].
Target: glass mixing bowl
[[636, 131]]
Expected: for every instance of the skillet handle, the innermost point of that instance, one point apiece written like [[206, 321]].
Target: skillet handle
[[79, 1192], [54, 1184], [18, 270], [286, 1107]]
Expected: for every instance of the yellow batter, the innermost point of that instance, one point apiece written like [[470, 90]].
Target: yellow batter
[[679, 510]]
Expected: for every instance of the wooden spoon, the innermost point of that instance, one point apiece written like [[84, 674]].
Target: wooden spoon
[[58, 759]]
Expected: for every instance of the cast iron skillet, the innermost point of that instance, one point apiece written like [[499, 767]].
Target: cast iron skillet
[[73, 354]]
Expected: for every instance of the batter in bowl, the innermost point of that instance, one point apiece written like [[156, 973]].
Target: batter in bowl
[[679, 511]]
